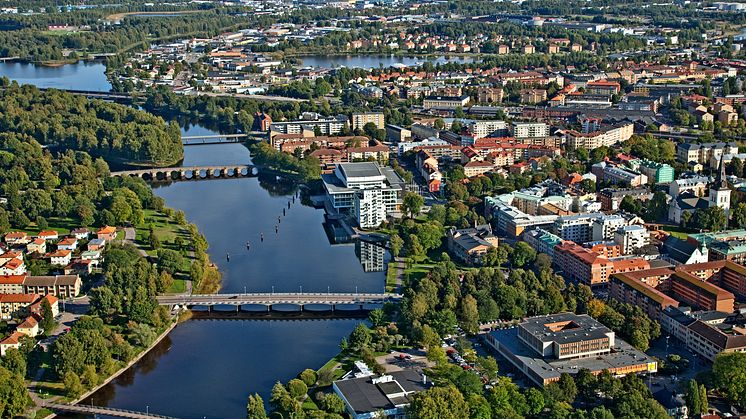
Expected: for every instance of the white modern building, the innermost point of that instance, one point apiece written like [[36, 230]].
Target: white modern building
[[631, 238], [530, 130], [365, 191]]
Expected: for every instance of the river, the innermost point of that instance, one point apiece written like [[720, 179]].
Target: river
[[207, 368], [79, 76], [376, 61]]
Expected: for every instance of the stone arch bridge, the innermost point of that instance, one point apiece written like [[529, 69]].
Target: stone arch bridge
[[167, 174]]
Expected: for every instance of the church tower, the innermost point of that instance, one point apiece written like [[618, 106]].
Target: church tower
[[719, 191]]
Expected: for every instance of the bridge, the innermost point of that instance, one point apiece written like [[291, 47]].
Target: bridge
[[98, 410], [94, 94], [270, 299], [212, 139], [166, 174]]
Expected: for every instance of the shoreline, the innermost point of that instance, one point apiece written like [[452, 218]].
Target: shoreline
[[120, 371]]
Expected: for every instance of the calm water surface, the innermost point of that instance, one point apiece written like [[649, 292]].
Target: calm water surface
[[207, 368], [79, 76]]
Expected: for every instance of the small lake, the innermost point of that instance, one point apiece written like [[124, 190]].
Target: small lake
[[82, 75], [374, 61]]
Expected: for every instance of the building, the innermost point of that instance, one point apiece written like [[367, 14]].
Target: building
[[360, 119], [470, 244], [533, 96], [11, 342], [610, 198], [631, 238], [702, 337], [605, 136], [541, 240], [28, 327], [16, 305], [490, 94], [578, 263], [60, 286], [12, 284], [60, 257], [107, 233], [398, 134], [687, 152], [629, 288], [365, 190], [530, 129], [445, 102], [656, 172], [544, 347], [365, 397], [326, 126], [695, 292]]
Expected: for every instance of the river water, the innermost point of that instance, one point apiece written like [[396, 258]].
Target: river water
[[207, 368]]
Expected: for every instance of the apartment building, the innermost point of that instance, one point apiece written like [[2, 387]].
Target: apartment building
[[589, 267], [360, 119], [530, 129], [703, 153], [657, 172], [605, 137], [327, 126], [445, 102], [631, 238]]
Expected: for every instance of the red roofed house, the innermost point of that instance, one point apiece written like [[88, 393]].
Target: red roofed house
[[107, 233], [60, 257], [16, 305], [54, 304], [12, 341], [29, 327], [12, 284], [38, 245], [49, 235], [17, 238], [11, 263], [68, 243]]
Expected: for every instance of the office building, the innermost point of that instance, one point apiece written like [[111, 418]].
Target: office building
[[544, 347], [366, 397], [365, 190]]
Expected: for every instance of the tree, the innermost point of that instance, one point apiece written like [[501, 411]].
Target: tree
[[703, 401], [255, 407], [14, 362], [308, 376], [332, 404], [14, 395], [360, 337], [631, 205], [412, 203], [438, 403], [73, 386], [729, 375], [657, 208], [297, 388], [469, 315], [169, 260], [738, 215], [395, 243], [523, 254], [48, 324], [89, 377], [712, 219], [693, 401], [377, 317]]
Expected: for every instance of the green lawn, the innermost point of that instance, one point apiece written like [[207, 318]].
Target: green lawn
[[62, 225], [417, 270], [678, 232], [391, 272], [178, 287], [165, 229]]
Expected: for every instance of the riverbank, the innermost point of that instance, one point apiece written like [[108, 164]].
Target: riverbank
[[38, 401]]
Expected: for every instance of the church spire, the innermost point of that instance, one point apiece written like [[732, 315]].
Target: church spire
[[721, 181]]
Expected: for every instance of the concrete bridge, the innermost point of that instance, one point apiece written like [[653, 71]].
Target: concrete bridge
[[270, 299], [89, 410], [166, 174], [212, 139]]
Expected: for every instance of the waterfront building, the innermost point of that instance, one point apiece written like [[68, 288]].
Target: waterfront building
[[365, 191], [544, 347], [365, 397]]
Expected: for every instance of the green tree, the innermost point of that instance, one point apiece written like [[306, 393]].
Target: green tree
[[360, 337], [332, 404], [308, 376], [48, 324], [255, 407], [169, 260], [469, 315], [73, 386], [523, 254], [712, 219], [738, 215], [14, 395], [729, 375], [89, 377], [396, 244], [438, 403], [297, 388], [14, 362], [693, 401], [412, 203]]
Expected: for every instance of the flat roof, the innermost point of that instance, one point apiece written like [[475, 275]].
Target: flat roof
[[363, 169], [622, 355], [581, 328], [363, 396]]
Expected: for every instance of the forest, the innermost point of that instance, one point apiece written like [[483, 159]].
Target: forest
[[57, 120]]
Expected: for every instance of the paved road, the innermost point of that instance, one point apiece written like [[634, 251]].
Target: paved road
[[277, 298]]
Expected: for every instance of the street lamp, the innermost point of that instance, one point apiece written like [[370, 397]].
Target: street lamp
[[147, 410]]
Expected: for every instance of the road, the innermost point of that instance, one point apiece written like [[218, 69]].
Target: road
[[277, 298]]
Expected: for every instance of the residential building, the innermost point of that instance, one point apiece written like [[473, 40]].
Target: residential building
[[606, 136], [656, 172], [541, 240], [360, 119], [16, 305], [628, 288], [590, 267], [107, 233], [13, 341], [38, 245], [544, 347], [703, 153], [60, 257], [28, 327], [12, 284], [326, 126], [631, 238], [445, 102], [610, 198], [364, 190], [490, 94], [530, 129], [68, 243], [469, 245], [398, 134], [61, 286], [17, 238]]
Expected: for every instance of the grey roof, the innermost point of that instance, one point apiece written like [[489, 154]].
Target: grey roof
[[364, 169], [677, 249], [363, 396], [581, 328]]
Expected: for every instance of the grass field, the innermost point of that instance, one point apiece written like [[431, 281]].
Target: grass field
[[678, 232]]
